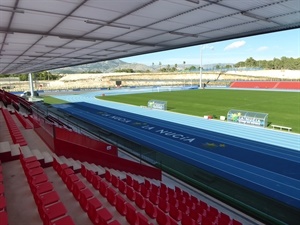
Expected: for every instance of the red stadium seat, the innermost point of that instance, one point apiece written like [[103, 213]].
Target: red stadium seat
[[94, 204], [224, 219], [144, 191], [155, 189], [121, 205], [129, 180], [2, 202], [103, 188], [136, 186], [47, 198], [102, 216], [130, 193], [142, 219], [164, 206], [122, 187], [114, 222], [41, 188], [70, 180], [154, 198], [38, 179], [195, 216], [111, 196], [150, 209], [147, 184], [175, 213], [115, 180], [107, 176], [164, 219], [173, 201], [90, 175], [96, 181], [131, 215], [83, 170], [66, 220], [84, 196], [52, 212], [140, 201], [183, 208], [1, 189], [187, 220], [3, 218], [77, 187]]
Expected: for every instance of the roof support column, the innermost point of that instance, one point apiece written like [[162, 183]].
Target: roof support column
[[31, 85]]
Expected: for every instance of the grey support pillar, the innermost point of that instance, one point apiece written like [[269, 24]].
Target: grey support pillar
[[31, 85]]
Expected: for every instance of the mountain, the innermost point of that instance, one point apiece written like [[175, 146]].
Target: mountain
[[104, 67], [113, 65]]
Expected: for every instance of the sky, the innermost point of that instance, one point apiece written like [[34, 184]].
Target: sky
[[259, 47]]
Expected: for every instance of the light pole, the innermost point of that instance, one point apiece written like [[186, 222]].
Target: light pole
[[200, 80], [201, 48]]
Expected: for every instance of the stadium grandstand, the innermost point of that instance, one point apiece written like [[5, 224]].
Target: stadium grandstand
[[95, 162]]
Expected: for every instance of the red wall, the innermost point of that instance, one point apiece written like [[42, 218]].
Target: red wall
[[79, 147], [69, 149], [84, 141]]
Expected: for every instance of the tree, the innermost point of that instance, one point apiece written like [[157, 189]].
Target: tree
[[276, 63], [250, 62]]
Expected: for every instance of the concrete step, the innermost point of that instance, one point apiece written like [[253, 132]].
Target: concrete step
[[99, 169], [66, 161], [25, 150], [5, 147], [15, 151], [88, 166], [118, 173], [9, 152], [75, 164], [48, 158], [37, 153]]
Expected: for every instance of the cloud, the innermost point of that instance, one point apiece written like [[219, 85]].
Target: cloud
[[235, 45], [262, 48]]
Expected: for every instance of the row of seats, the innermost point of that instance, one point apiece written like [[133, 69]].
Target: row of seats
[[118, 200], [23, 121], [14, 131], [9, 98], [177, 203], [266, 84], [6, 101], [51, 210], [97, 213], [58, 123], [3, 212]]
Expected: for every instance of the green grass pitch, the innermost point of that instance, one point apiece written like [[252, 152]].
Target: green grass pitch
[[283, 108]]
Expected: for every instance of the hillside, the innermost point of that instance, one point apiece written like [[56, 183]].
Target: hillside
[[104, 67]]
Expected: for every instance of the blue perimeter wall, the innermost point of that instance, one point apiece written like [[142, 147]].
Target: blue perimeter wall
[[271, 170]]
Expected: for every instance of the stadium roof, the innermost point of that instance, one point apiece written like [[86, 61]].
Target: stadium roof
[[49, 34]]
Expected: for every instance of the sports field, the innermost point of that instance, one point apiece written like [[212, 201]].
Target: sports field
[[283, 108]]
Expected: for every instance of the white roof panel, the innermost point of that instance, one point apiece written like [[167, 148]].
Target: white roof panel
[[116, 29]]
